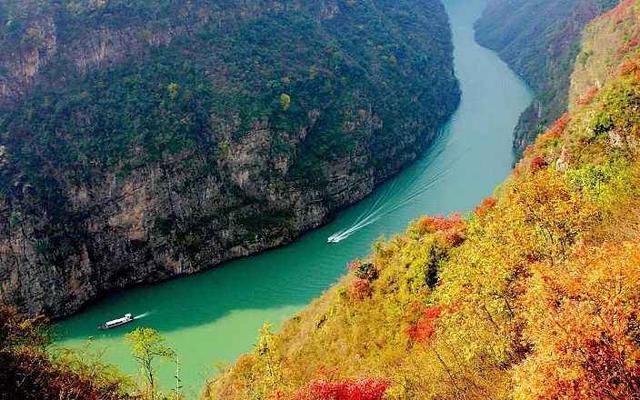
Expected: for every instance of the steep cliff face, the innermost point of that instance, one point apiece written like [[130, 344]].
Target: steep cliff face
[[143, 141], [540, 40]]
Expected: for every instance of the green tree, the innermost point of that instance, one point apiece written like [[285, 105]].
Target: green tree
[[173, 89], [146, 346], [285, 101]]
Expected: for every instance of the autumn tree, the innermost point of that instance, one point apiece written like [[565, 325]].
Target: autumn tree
[[147, 345], [267, 358], [582, 318]]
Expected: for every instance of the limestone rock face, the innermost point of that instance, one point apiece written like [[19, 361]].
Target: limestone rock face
[[139, 142]]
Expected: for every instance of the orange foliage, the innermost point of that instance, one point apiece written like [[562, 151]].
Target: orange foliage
[[561, 123], [584, 323], [452, 228], [485, 206], [629, 67], [424, 329], [529, 150], [360, 289], [588, 97]]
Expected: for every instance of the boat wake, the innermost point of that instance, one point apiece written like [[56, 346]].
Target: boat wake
[[143, 315], [392, 199]]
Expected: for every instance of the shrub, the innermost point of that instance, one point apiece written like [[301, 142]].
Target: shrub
[[365, 389], [360, 289]]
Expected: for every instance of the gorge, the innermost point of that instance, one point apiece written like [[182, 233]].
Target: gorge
[[215, 316], [420, 249]]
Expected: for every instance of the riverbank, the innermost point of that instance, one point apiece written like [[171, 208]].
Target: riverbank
[[215, 316]]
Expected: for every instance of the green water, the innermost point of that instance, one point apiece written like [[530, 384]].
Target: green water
[[214, 316]]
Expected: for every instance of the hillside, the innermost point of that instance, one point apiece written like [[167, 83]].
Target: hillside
[[539, 40], [30, 372], [608, 42], [145, 140], [535, 295]]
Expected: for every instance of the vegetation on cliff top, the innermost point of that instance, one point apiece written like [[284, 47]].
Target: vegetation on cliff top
[[540, 40], [610, 40], [533, 296]]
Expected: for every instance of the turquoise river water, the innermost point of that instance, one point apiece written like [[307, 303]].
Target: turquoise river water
[[212, 317]]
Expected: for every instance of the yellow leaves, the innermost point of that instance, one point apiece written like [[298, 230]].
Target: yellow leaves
[[578, 314], [540, 297]]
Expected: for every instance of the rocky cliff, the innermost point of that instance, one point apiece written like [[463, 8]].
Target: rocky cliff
[[141, 141], [540, 40]]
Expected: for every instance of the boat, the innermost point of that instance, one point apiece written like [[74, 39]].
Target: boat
[[117, 322], [333, 239]]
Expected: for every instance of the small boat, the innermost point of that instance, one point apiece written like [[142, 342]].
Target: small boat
[[117, 322], [333, 239]]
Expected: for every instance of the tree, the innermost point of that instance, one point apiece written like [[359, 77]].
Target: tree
[[146, 346], [285, 101], [173, 89], [582, 320], [266, 354]]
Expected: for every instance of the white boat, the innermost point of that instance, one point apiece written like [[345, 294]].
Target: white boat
[[333, 239], [117, 322]]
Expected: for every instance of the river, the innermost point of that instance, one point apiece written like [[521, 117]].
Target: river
[[212, 317]]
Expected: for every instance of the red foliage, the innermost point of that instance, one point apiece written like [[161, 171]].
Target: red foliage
[[537, 163], [561, 123], [606, 374], [558, 128], [486, 205], [588, 97], [360, 288], [628, 47], [354, 265], [365, 389], [424, 329], [452, 227], [532, 258], [618, 13], [454, 238], [629, 67]]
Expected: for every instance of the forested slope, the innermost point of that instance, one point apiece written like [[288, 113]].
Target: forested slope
[[540, 40], [534, 295], [144, 140]]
